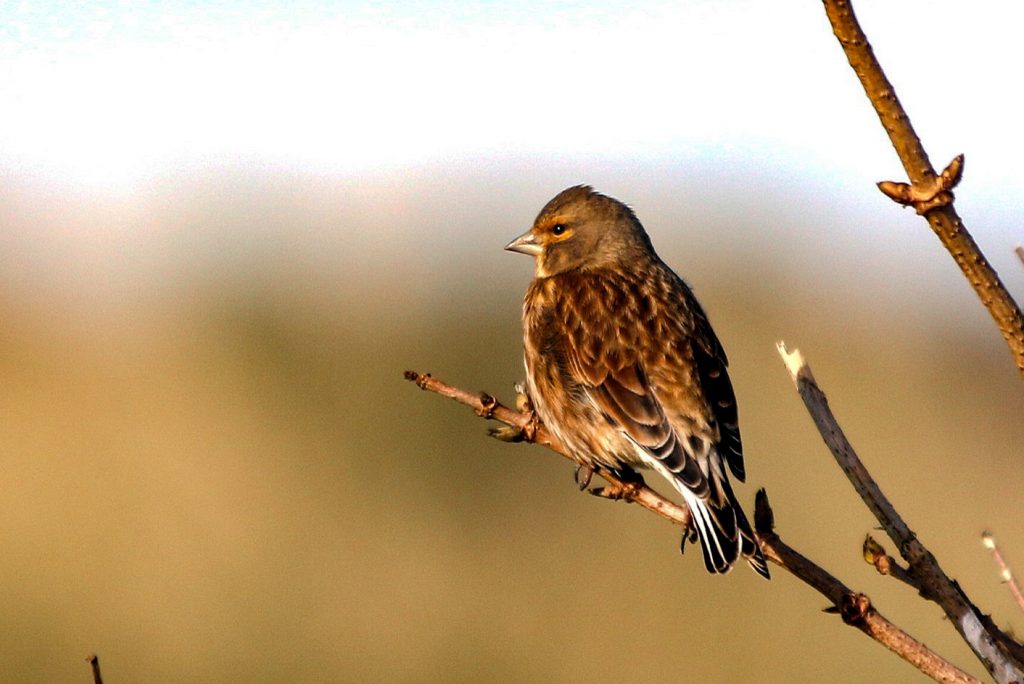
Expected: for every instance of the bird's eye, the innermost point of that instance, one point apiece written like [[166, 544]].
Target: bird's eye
[[558, 229]]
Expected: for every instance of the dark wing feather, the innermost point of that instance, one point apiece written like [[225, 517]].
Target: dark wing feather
[[711, 363], [619, 387]]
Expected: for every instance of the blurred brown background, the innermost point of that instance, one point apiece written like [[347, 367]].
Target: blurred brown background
[[213, 470]]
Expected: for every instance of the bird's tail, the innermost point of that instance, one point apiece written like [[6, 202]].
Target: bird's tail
[[722, 528]]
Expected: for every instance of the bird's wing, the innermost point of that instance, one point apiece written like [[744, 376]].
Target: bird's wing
[[620, 389], [711, 364], [608, 368], [615, 381]]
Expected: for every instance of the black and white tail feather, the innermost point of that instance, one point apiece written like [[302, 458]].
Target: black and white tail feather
[[694, 464], [724, 533]]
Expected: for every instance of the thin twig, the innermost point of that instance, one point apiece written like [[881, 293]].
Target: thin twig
[[929, 193], [853, 607], [94, 661], [1005, 573], [935, 585], [1019, 249], [874, 554]]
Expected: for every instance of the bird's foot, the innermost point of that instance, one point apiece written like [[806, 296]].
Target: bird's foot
[[629, 483], [514, 433], [689, 536], [526, 433], [583, 475], [506, 433], [617, 491]]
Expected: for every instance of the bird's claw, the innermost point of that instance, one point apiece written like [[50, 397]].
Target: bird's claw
[[689, 536], [617, 491], [583, 475], [513, 433], [506, 433]]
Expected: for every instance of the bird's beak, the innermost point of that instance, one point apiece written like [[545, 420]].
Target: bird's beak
[[525, 244]]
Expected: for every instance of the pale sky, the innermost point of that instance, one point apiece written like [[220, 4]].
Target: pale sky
[[112, 92]]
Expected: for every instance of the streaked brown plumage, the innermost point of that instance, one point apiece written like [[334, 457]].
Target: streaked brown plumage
[[623, 366]]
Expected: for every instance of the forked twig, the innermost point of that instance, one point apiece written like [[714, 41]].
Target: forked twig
[[855, 608], [934, 584]]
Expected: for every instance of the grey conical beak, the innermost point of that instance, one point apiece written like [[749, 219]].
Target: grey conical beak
[[525, 244]]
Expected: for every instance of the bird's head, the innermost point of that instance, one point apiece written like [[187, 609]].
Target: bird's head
[[581, 229]]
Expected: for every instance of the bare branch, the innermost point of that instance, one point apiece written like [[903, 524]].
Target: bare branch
[[94, 661], [936, 194], [1005, 574], [532, 430], [854, 608], [875, 554], [930, 194], [934, 584]]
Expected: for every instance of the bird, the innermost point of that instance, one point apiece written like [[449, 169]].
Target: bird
[[623, 367]]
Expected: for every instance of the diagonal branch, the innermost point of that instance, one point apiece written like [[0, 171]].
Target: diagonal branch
[[929, 193], [935, 585], [1005, 573], [486, 406], [854, 608]]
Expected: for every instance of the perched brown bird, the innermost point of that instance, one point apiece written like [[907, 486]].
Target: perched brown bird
[[623, 367]]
